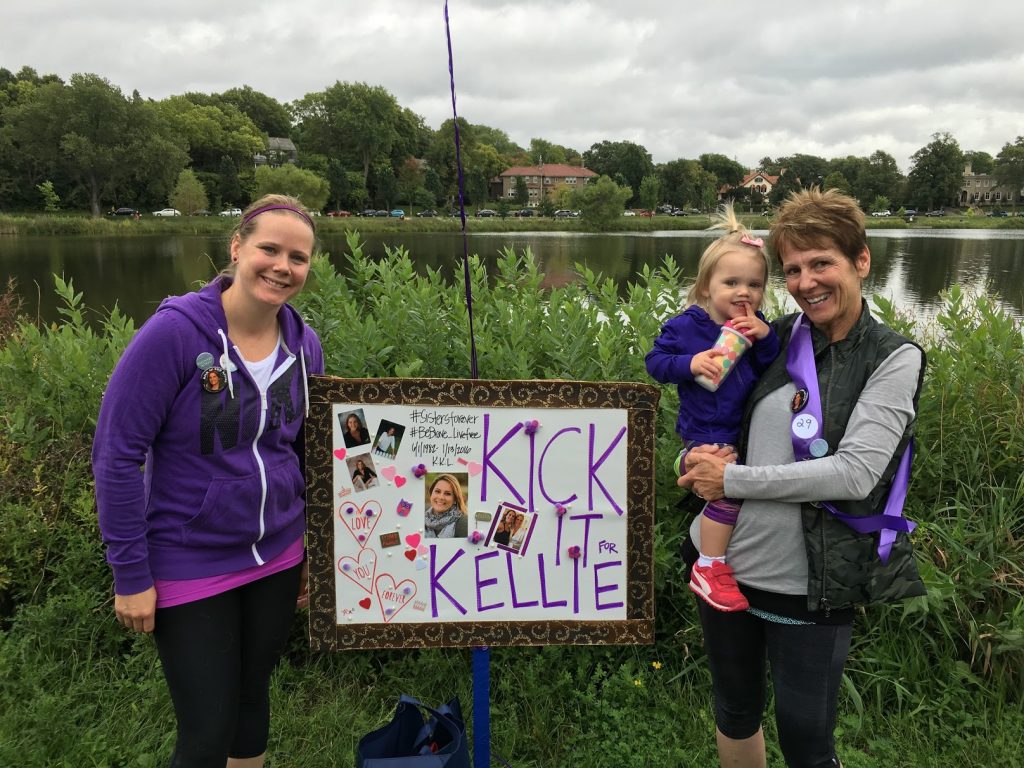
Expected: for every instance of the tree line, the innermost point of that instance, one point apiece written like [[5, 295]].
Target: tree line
[[84, 144]]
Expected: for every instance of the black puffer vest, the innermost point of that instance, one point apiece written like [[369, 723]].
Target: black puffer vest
[[843, 567]]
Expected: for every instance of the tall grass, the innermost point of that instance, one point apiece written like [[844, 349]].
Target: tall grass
[[935, 681]]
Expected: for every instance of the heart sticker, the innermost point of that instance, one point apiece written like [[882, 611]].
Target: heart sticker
[[421, 549], [360, 521], [339, 453], [410, 554], [393, 597], [365, 602], [360, 569], [421, 564], [388, 472], [474, 468], [413, 540], [399, 481]]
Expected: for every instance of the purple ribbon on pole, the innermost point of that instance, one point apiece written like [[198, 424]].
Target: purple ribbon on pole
[[807, 432]]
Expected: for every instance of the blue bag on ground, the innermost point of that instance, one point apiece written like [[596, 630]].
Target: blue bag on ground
[[409, 741]]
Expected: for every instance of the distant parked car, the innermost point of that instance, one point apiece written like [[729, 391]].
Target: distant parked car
[[122, 212], [202, 213], [397, 213], [368, 212], [937, 212], [563, 214], [999, 214], [231, 212], [338, 214], [679, 212], [167, 212], [486, 213], [648, 214], [427, 214], [629, 213], [881, 213], [527, 213]]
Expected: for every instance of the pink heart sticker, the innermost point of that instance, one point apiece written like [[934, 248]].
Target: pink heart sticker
[[339, 453], [422, 549], [474, 468], [393, 596], [360, 569], [413, 540], [388, 472], [399, 481]]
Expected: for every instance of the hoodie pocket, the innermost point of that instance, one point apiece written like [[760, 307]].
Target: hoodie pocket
[[229, 515], [285, 488]]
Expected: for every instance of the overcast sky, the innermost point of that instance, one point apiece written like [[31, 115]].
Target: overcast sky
[[745, 79]]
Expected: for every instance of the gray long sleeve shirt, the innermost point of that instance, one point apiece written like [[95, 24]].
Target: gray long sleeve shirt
[[767, 546]]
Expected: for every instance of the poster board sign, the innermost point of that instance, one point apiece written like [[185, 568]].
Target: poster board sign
[[451, 512]]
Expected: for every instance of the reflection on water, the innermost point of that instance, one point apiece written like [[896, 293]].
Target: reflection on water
[[909, 267]]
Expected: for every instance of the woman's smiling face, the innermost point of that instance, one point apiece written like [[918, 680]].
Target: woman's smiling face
[[272, 262], [442, 497], [827, 286]]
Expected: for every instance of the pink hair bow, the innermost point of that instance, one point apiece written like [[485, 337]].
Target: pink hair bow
[[757, 242]]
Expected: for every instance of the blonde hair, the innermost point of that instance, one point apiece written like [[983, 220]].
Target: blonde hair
[[246, 226], [725, 218], [460, 500]]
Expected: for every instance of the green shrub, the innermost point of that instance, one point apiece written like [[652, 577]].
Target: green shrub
[[935, 680]]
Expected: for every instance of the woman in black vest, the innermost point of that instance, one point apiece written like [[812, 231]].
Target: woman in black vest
[[825, 454]]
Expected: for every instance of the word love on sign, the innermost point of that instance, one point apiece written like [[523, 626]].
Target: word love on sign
[[448, 512]]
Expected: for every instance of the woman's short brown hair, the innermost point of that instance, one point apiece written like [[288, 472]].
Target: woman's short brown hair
[[811, 218]]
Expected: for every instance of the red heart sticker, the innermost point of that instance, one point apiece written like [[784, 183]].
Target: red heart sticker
[[410, 554], [365, 602]]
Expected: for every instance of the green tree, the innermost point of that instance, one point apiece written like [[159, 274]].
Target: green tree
[[836, 180], [622, 160], [1009, 168], [981, 162], [881, 203], [879, 176], [545, 151], [936, 173], [650, 192], [806, 170], [51, 200], [212, 132], [267, 114], [727, 171], [288, 179], [601, 202], [520, 191], [189, 194]]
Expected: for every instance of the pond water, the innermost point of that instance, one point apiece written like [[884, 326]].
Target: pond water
[[911, 267]]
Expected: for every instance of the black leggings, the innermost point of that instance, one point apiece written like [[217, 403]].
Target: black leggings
[[807, 668], [217, 655]]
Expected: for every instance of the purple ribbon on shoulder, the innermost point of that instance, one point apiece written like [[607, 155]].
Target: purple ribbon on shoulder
[[807, 433]]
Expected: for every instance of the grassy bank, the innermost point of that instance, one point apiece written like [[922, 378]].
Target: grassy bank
[[47, 224], [935, 681]]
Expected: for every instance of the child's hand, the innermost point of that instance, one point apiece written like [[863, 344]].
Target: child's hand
[[751, 326], [707, 363]]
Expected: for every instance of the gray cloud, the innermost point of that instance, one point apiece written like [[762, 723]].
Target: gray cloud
[[746, 79]]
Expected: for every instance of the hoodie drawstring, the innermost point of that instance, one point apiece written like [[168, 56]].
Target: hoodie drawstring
[[226, 360], [305, 377]]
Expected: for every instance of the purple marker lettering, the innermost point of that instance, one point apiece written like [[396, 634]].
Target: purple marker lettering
[[540, 468], [512, 585], [599, 589], [489, 465], [586, 532], [481, 583], [592, 469], [575, 586], [544, 586], [435, 584]]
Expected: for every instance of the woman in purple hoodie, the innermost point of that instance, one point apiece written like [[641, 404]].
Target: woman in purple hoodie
[[206, 544]]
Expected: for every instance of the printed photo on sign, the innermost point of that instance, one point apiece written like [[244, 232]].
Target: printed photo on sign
[[388, 439], [353, 428], [509, 525], [362, 471], [445, 514]]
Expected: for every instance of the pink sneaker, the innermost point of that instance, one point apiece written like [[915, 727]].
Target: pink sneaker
[[717, 587]]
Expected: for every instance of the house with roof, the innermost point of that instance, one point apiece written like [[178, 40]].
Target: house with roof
[[280, 150], [980, 189], [540, 180]]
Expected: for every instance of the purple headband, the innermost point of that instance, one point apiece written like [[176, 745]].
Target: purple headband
[[252, 215]]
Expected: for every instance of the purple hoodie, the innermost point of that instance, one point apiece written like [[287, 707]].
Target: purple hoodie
[[707, 417], [223, 485]]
